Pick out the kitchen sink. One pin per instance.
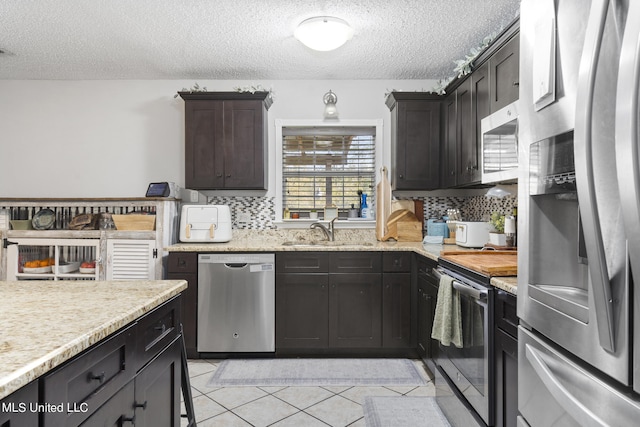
(316, 243)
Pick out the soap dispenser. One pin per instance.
(365, 206)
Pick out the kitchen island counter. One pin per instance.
(46, 323)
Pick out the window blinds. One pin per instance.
(324, 166)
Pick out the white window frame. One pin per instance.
(283, 123)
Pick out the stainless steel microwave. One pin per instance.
(499, 146)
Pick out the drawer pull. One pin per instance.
(162, 328)
(140, 405)
(131, 420)
(100, 377)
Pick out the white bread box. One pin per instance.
(205, 223)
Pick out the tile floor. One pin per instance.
(284, 406)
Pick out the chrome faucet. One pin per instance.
(327, 231)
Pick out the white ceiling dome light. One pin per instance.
(323, 33)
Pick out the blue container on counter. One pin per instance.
(437, 227)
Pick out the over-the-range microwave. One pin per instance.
(499, 146)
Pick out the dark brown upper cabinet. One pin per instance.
(449, 165)
(415, 140)
(436, 139)
(493, 84)
(459, 141)
(226, 140)
(480, 108)
(504, 72)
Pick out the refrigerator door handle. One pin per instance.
(627, 113)
(585, 175)
(579, 411)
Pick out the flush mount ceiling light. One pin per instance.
(323, 33)
(330, 110)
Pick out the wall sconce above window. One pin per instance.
(323, 33)
(330, 110)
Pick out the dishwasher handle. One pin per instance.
(236, 265)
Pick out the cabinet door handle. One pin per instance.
(7, 242)
(228, 175)
(219, 175)
(516, 83)
(99, 377)
(401, 176)
(140, 405)
(162, 328)
(131, 420)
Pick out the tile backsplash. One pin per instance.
(250, 213)
(258, 213)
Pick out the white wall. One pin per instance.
(111, 138)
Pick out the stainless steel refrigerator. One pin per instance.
(579, 206)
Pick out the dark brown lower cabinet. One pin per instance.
(151, 399)
(355, 310)
(396, 311)
(302, 311)
(337, 301)
(16, 408)
(427, 298)
(506, 360)
(157, 389)
(131, 378)
(184, 266)
(118, 411)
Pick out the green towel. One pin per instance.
(447, 321)
(472, 324)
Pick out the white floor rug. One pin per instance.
(403, 411)
(316, 372)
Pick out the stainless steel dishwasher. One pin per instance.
(236, 303)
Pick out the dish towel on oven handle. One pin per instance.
(447, 321)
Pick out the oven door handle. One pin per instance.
(469, 291)
(479, 294)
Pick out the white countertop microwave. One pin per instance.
(499, 146)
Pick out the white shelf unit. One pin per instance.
(164, 234)
(67, 254)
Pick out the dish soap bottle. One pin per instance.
(365, 207)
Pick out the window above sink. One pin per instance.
(325, 164)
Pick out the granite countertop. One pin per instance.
(271, 241)
(45, 323)
(429, 250)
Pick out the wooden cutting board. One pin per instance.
(491, 263)
(403, 226)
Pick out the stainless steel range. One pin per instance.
(464, 377)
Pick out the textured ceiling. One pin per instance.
(239, 39)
